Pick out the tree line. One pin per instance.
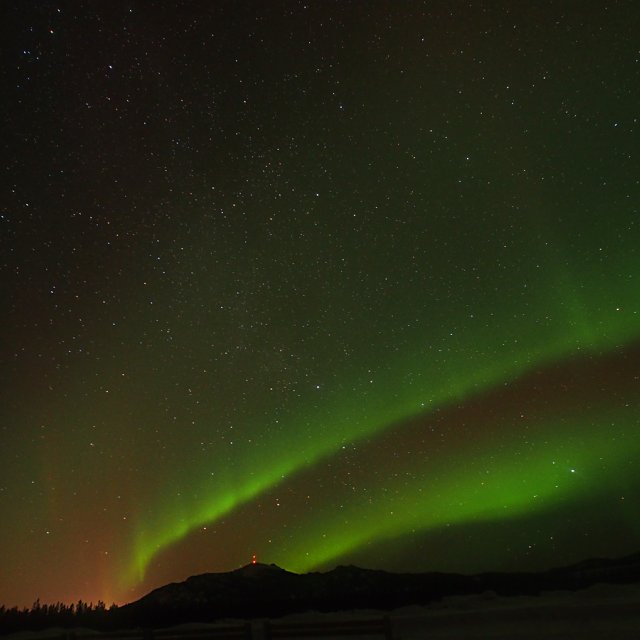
(42, 616)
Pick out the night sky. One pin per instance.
(325, 281)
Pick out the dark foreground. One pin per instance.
(440, 602)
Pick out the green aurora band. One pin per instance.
(474, 363)
(477, 487)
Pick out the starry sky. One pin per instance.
(327, 282)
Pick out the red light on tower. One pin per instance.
(253, 559)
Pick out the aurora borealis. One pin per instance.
(328, 282)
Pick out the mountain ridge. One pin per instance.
(267, 590)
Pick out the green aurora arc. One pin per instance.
(608, 322)
(468, 492)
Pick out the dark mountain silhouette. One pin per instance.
(259, 590)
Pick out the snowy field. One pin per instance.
(602, 612)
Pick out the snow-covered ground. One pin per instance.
(602, 612)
